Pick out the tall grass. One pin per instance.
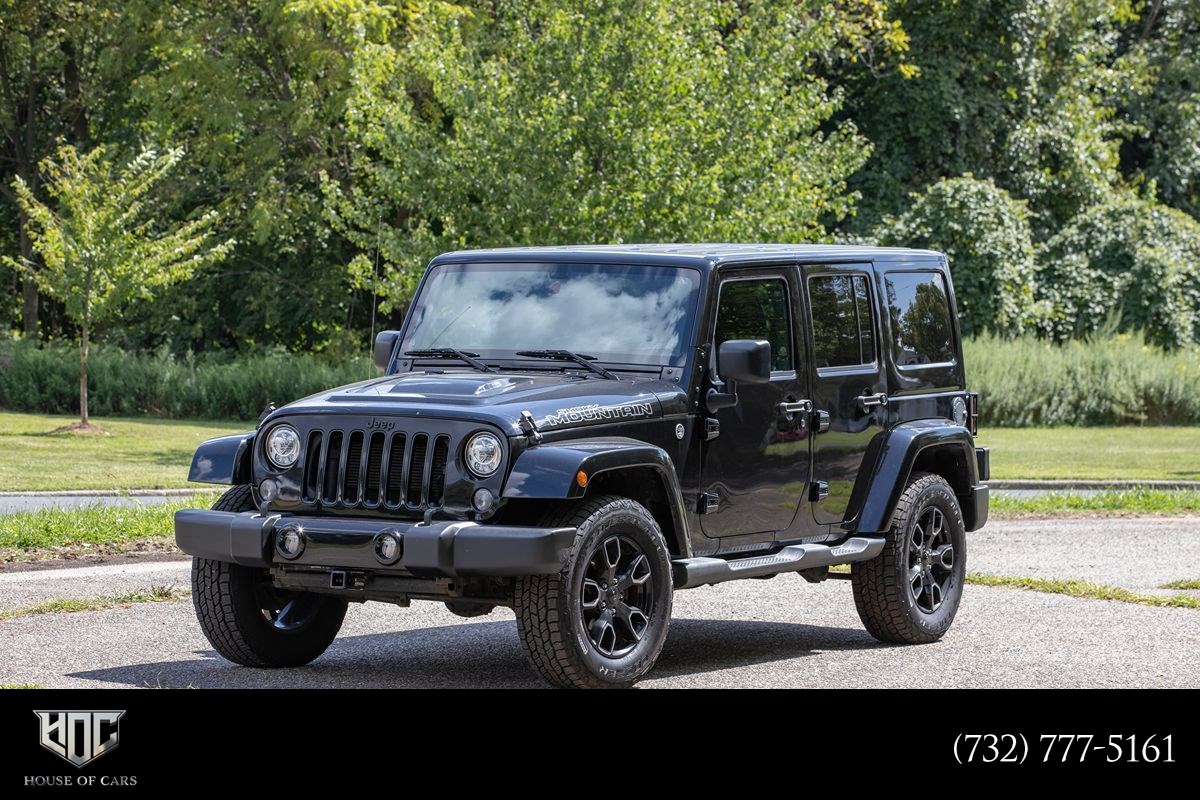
(1118, 380)
(46, 380)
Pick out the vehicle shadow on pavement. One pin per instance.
(484, 655)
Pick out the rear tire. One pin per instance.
(910, 593)
(250, 622)
(601, 622)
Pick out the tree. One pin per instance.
(985, 234)
(1129, 260)
(99, 245)
(1023, 92)
(542, 122)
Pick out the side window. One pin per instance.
(843, 326)
(920, 314)
(757, 309)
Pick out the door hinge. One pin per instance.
(712, 429)
(709, 502)
(818, 491)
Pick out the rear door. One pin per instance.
(847, 380)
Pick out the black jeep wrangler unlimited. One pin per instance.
(579, 432)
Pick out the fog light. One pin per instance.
(483, 500)
(289, 541)
(389, 546)
(268, 490)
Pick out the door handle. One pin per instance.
(790, 407)
(870, 401)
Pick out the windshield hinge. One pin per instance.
(530, 428)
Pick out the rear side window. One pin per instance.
(843, 330)
(757, 309)
(920, 313)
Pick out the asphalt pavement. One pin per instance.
(780, 632)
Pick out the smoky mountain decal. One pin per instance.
(595, 412)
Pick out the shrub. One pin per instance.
(1118, 380)
(46, 380)
(986, 236)
(1130, 260)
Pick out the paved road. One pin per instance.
(781, 632)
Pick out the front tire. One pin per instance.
(250, 622)
(602, 621)
(910, 593)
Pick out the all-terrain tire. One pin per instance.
(235, 603)
(883, 590)
(550, 616)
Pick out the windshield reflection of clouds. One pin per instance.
(619, 313)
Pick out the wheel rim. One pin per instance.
(930, 560)
(617, 596)
(286, 611)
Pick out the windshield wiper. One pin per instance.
(471, 359)
(567, 355)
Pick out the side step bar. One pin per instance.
(691, 572)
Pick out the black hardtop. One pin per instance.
(700, 256)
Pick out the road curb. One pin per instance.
(1076, 485)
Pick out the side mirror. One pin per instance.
(739, 361)
(744, 361)
(385, 343)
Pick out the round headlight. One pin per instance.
(283, 446)
(484, 454)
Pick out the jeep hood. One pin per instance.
(555, 400)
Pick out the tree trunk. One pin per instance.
(83, 375)
(29, 288)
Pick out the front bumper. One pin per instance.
(439, 549)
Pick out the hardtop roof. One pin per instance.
(694, 255)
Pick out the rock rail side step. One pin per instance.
(688, 573)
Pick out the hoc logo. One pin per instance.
(79, 736)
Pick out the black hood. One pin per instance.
(555, 400)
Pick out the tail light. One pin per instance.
(973, 413)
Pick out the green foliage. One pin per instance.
(613, 121)
(202, 387)
(1020, 91)
(1128, 259)
(1165, 108)
(986, 237)
(98, 243)
(1120, 380)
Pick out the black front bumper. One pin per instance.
(440, 549)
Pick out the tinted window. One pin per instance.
(843, 330)
(920, 314)
(757, 310)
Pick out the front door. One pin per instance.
(847, 381)
(755, 472)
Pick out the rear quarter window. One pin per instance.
(919, 307)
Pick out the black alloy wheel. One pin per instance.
(930, 560)
(617, 599)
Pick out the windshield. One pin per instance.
(615, 312)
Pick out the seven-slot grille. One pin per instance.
(374, 469)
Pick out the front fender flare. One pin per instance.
(547, 472)
(878, 490)
(224, 460)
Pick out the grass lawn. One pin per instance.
(1126, 453)
(1119, 502)
(155, 454)
(67, 533)
(139, 453)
